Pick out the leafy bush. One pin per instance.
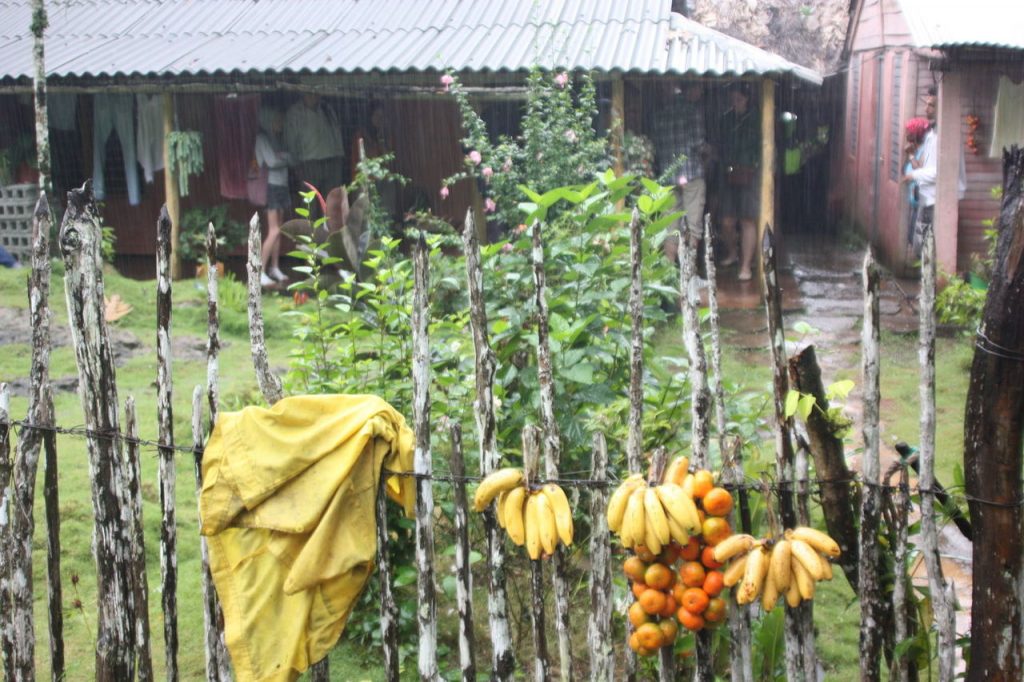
(194, 223)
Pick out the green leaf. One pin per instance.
(533, 196)
(664, 221)
(792, 400)
(581, 373)
(804, 328)
(839, 390)
(645, 204)
(805, 406)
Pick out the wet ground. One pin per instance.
(822, 285)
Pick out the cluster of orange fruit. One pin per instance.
(683, 583)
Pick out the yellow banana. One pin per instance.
(826, 568)
(515, 502)
(687, 485)
(495, 483)
(619, 499)
(677, 531)
(546, 519)
(732, 546)
(679, 505)
(499, 508)
(734, 571)
(563, 512)
(804, 581)
(532, 522)
(655, 517)
(805, 555)
(651, 541)
(779, 567)
(633, 522)
(816, 539)
(793, 598)
(676, 470)
(753, 576)
(769, 593)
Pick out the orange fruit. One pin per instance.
(638, 588)
(714, 583)
(695, 600)
(717, 502)
(715, 529)
(634, 568)
(690, 621)
(671, 606)
(677, 591)
(644, 554)
(653, 601)
(703, 482)
(691, 551)
(650, 636)
(669, 629)
(670, 554)
(716, 610)
(692, 574)
(637, 615)
(634, 644)
(707, 557)
(659, 576)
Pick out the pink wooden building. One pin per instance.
(972, 53)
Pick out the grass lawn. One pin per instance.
(350, 661)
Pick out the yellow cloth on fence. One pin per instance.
(288, 503)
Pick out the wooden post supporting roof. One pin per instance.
(947, 202)
(171, 198)
(618, 118)
(767, 214)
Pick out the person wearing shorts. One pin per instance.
(270, 153)
(740, 147)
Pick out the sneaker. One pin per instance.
(277, 275)
(265, 281)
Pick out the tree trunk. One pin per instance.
(992, 449)
(599, 627)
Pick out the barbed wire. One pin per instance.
(751, 484)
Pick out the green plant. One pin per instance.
(960, 304)
(109, 245)
(184, 156)
(194, 224)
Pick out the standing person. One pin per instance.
(312, 135)
(740, 148)
(679, 134)
(916, 129)
(270, 152)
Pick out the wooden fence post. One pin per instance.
(897, 511)
(941, 591)
(388, 606)
(635, 436)
(463, 572)
(426, 602)
(269, 383)
(741, 667)
(80, 238)
(993, 428)
(869, 588)
(141, 582)
(801, 661)
(599, 627)
(531, 474)
(6, 537)
(552, 440)
(502, 657)
(165, 436)
(217, 662)
(212, 326)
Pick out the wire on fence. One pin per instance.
(752, 484)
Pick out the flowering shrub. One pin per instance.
(558, 146)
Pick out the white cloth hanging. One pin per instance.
(150, 135)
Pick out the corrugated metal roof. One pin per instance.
(95, 38)
(978, 23)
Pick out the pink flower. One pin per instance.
(475, 157)
(507, 166)
(506, 248)
(571, 136)
(487, 172)
(682, 181)
(490, 206)
(446, 81)
(444, 192)
(562, 79)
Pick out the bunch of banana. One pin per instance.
(787, 567)
(652, 517)
(536, 519)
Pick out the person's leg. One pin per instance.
(729, 239)
(693, 204)
(748, 245)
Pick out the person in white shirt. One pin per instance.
(270, 152)
(312, 135)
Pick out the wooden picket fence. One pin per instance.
(122, 643)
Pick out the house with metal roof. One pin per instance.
(971, 56)
(194, 61)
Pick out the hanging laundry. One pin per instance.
(67, 163)
(288, 506)
(1008, 122)
(237, 121)
(112, 114)
(150, 134)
